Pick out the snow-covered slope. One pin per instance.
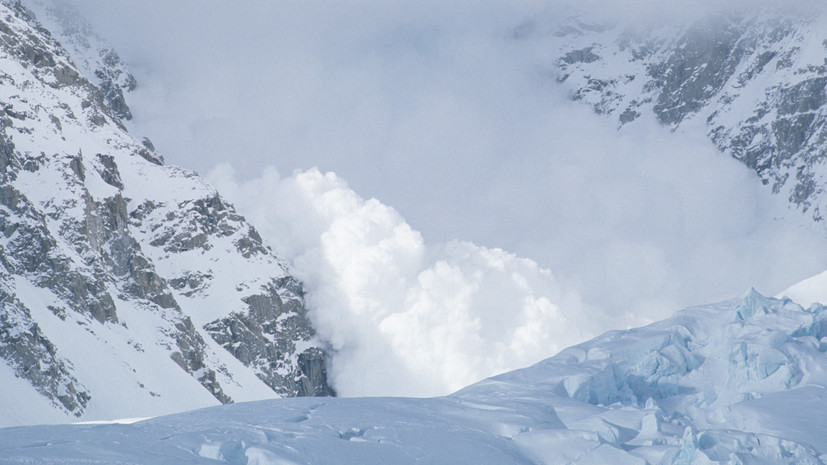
(739, 382)
(90, 53)
(755, 83)
(126, 287)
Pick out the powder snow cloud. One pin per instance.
(403, 316)
(408, 317)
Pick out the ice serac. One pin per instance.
(127, 287)
(736, 382)
(755, 83)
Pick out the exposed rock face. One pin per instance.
(257, 338)
(110, 260)
(33, 357)
(757, 85)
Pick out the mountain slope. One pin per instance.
(127, 286)
(739, 382)
(755, 84)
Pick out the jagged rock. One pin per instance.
(113, 82)
(108, 170)
(313, 365)
(257, 339)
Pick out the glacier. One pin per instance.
(737, 382)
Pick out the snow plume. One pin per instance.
(635, 227)
(405, 317)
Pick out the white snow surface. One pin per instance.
(738, 382)
(809, 291)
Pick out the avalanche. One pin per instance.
(738, 382)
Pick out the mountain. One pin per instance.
(127, 287)
(754, 83)
(130, 288)
(738, 382)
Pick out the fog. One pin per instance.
(455, 153)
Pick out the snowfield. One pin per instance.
(738, 382)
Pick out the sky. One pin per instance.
(452, 212)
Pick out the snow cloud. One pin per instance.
(635, 231)
(436, 110)
(402, 316)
